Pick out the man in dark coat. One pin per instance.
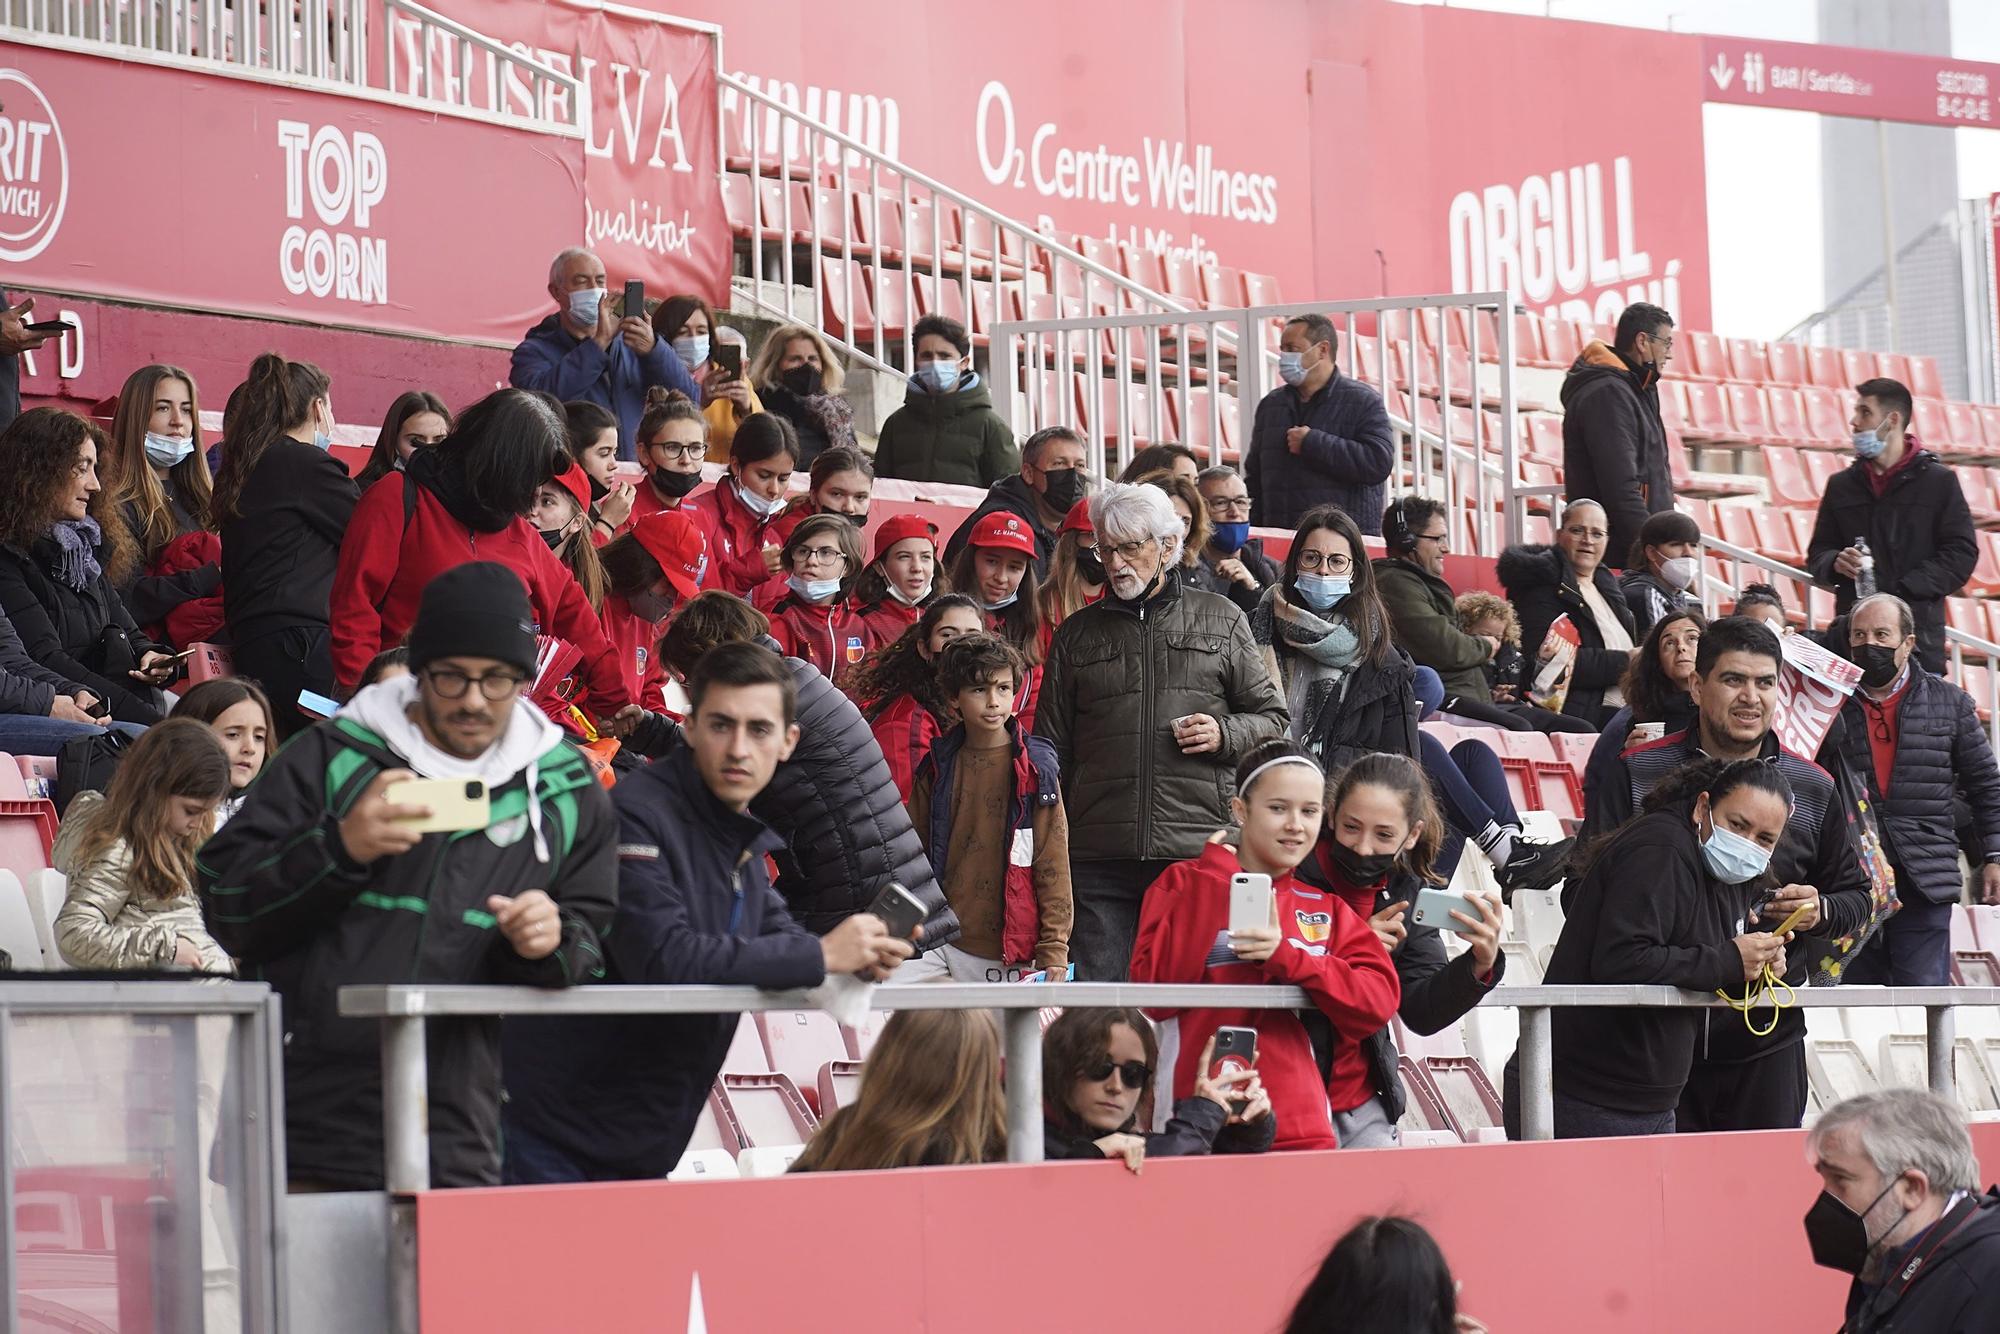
(1232, 562)
(1048, 486)
(1916, 742)
(1614, 444)
(1909, 508)
(1901, 1211)
(1320, 438)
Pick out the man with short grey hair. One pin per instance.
(1902, 1212)
(595, 351)
(1150, 697)
(1232, 562)
(1319, 438)
(1916, 745)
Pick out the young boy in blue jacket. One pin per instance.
(613, 1098)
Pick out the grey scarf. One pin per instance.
(76, 551)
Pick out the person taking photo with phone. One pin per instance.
(615, 1098)
(1197, 925)
(1378, 854)
(332, 875)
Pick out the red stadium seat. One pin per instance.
(1826, 416)
(1989, 426)
(1545, 437)
(1749, 361)
(1703, 356)
(768, 1110)
(1961, 426)
(1788, 413)
(1924, 381)
(1673, 404)
(1736, 526)
(1193, 424)
(845, 311)
(1137, 412)
(1787, 363)
(1825, 367)
(1559, 343)
(798, 1043)
(1574, 748)
(1985, 581)
(1857, 365)
(1896, 366)
(1821, 465)
(1468, 1096)
(1261, 289)
(1977, 484)
(1225, 286)
(1930, 424)
(1708, 415)
(1789, 483)
(1774, 534)
(747, 1054)
(1529, 347)
(839, 1084)
(831, 212)
(1184, 279)
(774, 197)
(1751, 412)
(739, 203)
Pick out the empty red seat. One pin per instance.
(1748, 360)
(1786, 363)
(1789, 483)
(1751, 413)
(786, 209)
(931, 230)
(1261, 289)
(768, 1110)
(1183, 278)
(1985, 579)
(1560, 343)
(739, 203)
(831, 211)
(1138, 410)
(1701, 356)
(1825, 367)
(1929, 423)
(1788, 413)
(1545, 437)
(1143, 267)
(1774, 534)
(845, 311)
(1924, 381)
(1529, 346)
(1194, 426)
(1977, 484)
(1961, 425)
(1857, 365)
(1826, 415)
(1673, 405)
(798, 1043)
(1989, 425)
(1896, 366)
(1737, 527)
(1708, 414)
(1821, 465)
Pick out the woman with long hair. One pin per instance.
(561, 514)
(282, 507)
(462, 501)
(798, 377)
(996, 569)
(649, 570)
(239, 713)
(897, 686)
(1385, 1276)
(813, 619)
(1165, 457)
(840, 481)
(417, 420)
(1098, 1068)
(1185, 497)
(1076, 577)
(1658, 689)
(59, 599)
(930, 1097)
(127, 856)
(154, 506)
(591, 436)
(671, 442)
(902, 580)
(686, 323)
(737, 514)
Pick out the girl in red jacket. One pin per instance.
(839, 483)
(649, 571)
(672, 441)
(902, 579)
(463, 501)
(897, 689)
(1075, 579)
(561, 514)
(592, 442)
(1314, 943)
(812, 620)
(736, 516)
(996, 569)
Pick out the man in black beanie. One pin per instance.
(320, 881)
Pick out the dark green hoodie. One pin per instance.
(955, 437)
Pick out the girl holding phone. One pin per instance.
(1312, 942)
(1377, 853)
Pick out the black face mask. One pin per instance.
(598, 490)
(553, 536)
(1839, 1236)
(1091, 568)
(858, 520)
(1064, 489)
(1877, 663)
(674, 485)
(1357, 869)
(802, 381)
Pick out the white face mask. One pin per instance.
(1680, 571)
(756, 504)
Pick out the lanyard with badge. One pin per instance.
(1770, 988)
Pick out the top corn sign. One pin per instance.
(1846, 81)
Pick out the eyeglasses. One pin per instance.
(1439, 538)
(1667, 342)
(1237, 505)
(1125, 551)
(1132, 1074)
(449, 684)
(1312, 562)
(819, 555)
(1593, 534)
(684, 453)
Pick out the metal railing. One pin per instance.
(141, 1125)
(972, 273)
(1438, 404)
(1957, 642)
(444, 64)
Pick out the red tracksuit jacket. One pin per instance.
(904, 730)
(384, 565)
(645, 500)
(830, 637)
(1327, 950)
(736, 539)
(887, 620)
(636, 641)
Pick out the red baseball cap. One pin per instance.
(671, 538)
(901, 528)
(1003, 531)
(1078, 518)
(576, 481)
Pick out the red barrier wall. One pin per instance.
(1653, 1236)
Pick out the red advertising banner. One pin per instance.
(258, 199)
(650, 173)
(1848, 81)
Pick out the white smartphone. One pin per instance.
(455, 804)
(1434, 908)
(1249, 901)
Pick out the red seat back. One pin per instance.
(1787, 363)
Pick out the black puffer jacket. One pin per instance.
(1919, 531)
(1377, 711)
(87, 637)
(1542, 586)
(1009, 495)
(1941, 748)
(1116, 678)
(1614, 445)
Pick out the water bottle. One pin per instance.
(1864, 580)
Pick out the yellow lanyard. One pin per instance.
(1764, 991)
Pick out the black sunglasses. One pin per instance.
(1133, 1074)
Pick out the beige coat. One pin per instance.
(104, 925)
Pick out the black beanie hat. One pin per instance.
(475, 610)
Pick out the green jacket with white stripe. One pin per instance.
(281, 894)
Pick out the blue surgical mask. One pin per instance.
(583, 303)
(1323, 592)
(1003, 603)
(1292, 367)
(691, 350)
(321, 440)
(939, 377)
(1869, 444)
(1230, 537)
(1732, 858)
(164, 451)
(814, 590)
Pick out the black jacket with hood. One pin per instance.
(1614, 444)
(1542, 586)
(280, 893)
(86, 636)
(1011, 495)
(955, 437)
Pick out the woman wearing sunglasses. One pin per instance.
(1097, 1071)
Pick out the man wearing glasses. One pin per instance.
(1614, 445)
(1233, 563)
(324, 879)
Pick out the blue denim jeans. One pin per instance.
(26, 734)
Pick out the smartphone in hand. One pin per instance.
(901, 911)
(1249, 902)
(635, 299)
